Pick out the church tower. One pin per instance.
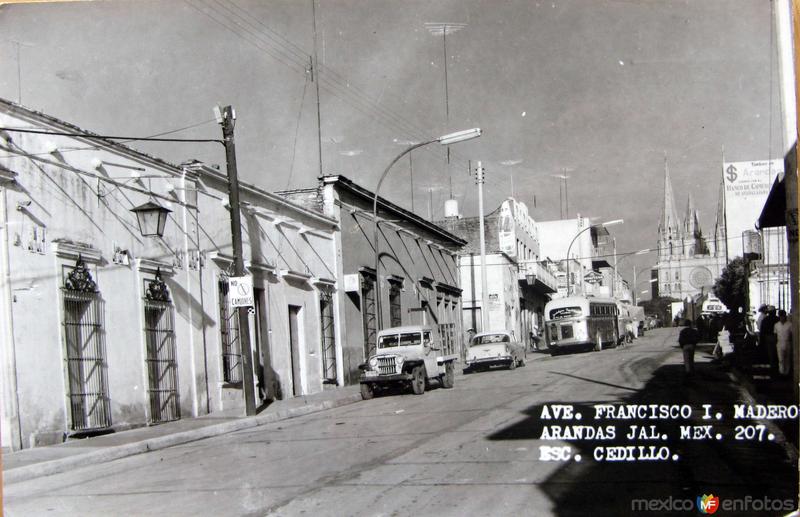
(693, 241)
(670, 238)
(720, 244)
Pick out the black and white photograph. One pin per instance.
(399, 257)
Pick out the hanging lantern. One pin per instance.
(152, 218)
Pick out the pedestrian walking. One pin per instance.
(629, 331)
(783, 337)
(768, 338)
(687, 340)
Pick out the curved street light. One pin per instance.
(450, 138)
(607, 223)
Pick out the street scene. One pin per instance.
(470, 450)
(452, 257)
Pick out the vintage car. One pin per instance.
(412, 355)
(497, 348)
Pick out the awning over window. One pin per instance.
(774, 212)
(600, 263)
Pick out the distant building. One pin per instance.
(519, 282)
(418, 278)
(587, 263)
(688, 262)
(104, 329)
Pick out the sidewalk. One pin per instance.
(42, 461)
(754, 375)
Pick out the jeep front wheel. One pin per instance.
(418, 380)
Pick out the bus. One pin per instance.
(578, 322)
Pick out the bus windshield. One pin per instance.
(561, 313)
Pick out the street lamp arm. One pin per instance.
(376, 234)
(386, 173)
(569, 283)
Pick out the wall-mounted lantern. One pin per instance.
(152, 218)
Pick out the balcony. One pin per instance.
(537, 276)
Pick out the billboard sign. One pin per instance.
(747, 185)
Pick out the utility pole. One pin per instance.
(411, 172)
(227, 118)
(479, 180)
(633, 292)
(614, 287)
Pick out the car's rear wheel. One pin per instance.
(449, 375)
(418, 380)
(367, 391)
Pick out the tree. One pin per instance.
(731, 286)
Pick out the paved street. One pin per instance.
(472, 450)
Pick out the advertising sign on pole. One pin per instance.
(241, 291)
(747, 185)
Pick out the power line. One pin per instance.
(94, 147)
(109, 137)
(330, 80)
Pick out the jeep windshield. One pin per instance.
(404, 339)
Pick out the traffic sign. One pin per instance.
(241, 291)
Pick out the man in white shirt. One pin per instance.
(783, 332)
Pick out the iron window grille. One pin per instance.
(395, 308)
(84, 337)
(161, 360)
(229, 337)
(368, 315)
(328, 335)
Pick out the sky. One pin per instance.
(599, 90)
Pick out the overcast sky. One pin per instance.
(600, 88)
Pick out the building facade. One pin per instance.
(688, 262)
(418, 280)
(519, 282)
(105, 329)
(574, 244)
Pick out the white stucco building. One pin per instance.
(104, 329)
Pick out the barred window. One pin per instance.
(395, 309)
(229, 337)
(368, 314)
(161, 358)
(328, 334)
(84, 336)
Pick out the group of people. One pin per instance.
(772, 333)
(775, 338)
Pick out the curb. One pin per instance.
(47, 468)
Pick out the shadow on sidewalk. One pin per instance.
(726, 468)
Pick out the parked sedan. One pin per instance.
(498, 348)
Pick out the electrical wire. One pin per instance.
(94, 147)
(333, 82)
(109, 137)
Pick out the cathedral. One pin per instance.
(688, 262)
